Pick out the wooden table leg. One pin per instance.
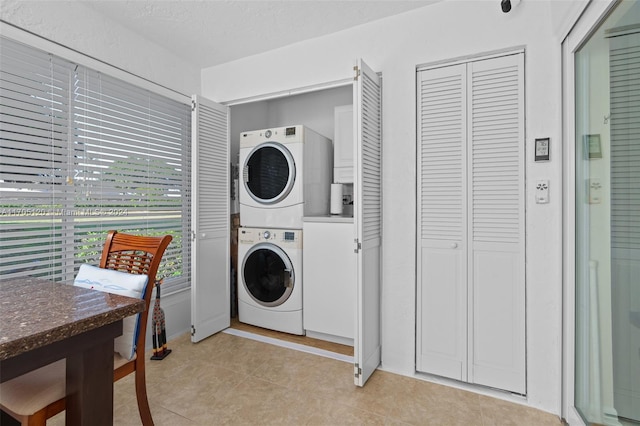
(7, 420)
(90, 386)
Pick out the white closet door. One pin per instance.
(210, 221)
(471, 289)
(367, 219)
(442, 290)
(496, 210)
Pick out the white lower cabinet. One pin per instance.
(329, 279)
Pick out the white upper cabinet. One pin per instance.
(343, 144)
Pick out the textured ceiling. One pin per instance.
(211, 32)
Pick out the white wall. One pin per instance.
(74, 25)
(395, 46)
(289, 110)
(245, 117)
(314, 110)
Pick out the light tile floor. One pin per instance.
(231, 380)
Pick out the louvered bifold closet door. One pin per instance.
(470, 251)
(368, 219)
(442, 219)
(496, 232)
(210, 293)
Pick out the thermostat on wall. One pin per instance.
(542, 149)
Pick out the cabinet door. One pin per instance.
(210, 221)
(329, 270)
(343, 144)
(367, 219)
(442, 213)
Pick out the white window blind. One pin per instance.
(82, 153)
(624, 68)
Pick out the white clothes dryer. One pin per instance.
(270, 279)
(286, 175)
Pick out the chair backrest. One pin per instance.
(136, 254)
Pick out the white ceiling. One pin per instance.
(211, 32)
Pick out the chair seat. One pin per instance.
(28, 393)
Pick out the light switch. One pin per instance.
(542, 192)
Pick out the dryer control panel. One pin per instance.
(288, 134)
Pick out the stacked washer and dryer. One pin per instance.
(286, 175)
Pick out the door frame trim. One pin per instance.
(590, 19)
(471, 58)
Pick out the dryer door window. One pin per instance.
(269, 173)
(267, 274)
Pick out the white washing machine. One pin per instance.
(270, 278)
(286, 175)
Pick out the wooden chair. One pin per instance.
(36, 396)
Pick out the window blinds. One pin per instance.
(624, 68)
(82, 153)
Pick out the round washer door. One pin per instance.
(269, 173)
(267, 274)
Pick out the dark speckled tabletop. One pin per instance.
(36, 312)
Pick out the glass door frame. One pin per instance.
(592, 16)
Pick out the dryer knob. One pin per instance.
(266, 235)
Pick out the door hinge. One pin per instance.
(356, 72)
(193, 330)
(358, 246)
(193, 105)
(193, 235)
(357, 371)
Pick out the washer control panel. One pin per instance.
(284, 237)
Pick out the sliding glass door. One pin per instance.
(607, 293)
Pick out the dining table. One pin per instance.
(42, 321)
